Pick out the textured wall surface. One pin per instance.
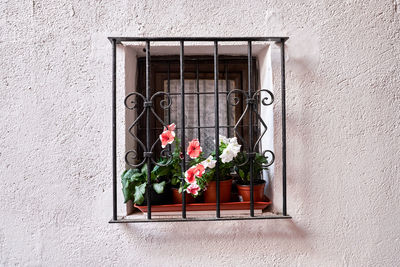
(343, 74)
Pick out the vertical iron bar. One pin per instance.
(242, 108)
(148, 186)
(283, 93)
(198, 100)
(228, 114)
(169, 90)
(182, 72)
(257, 129)
(114, 126)
(250, 128)
(216, 113)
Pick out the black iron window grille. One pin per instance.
(244, 124)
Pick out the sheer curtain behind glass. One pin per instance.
(206, 107)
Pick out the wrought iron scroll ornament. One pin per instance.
(251, 101)
(131, 103)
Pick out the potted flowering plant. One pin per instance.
(175, 174)
(173, 168)
(134, 186)
(134, 180)
(193, 182)
(228, 150)
(243, 179)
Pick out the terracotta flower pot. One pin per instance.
(258, 193)
(210, 195)
(177, 197)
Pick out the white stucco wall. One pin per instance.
(343, 64)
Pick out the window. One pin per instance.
(199, 97)
(222, 96)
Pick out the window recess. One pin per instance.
(206, 96)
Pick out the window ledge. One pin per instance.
(140, 218)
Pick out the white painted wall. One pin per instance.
(343, 135)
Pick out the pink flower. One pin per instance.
(193, 189)
(167, 137)
(171, 127)
(199, 170)
(190, 175)
(194, 149)
(193, 172)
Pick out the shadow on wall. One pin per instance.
(225, 243)
(302, 67)
(302, 61)
(212, 231)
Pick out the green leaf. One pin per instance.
(155, 169)
(144, 169)
(163, 172)
(127, 184)
(174, 180)
(127, 194)
(139, 193)
(125, 177)
(158, 167)
(159, 187)
(241, 174)
(136, 177)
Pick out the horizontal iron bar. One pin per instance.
(200, 93)
(199, 127)
(270, 217)
(204, 59)
(197, 39)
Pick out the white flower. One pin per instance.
(234, 141)
(223, 139)
(209, 162)
(226, 156)
(230, 152)
(235, 148)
